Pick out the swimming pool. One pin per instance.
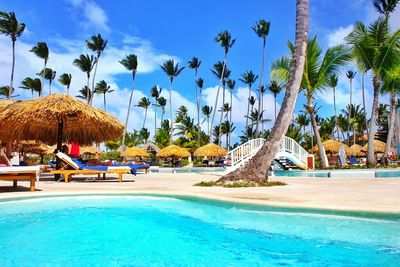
(358, 173)
(134, 230)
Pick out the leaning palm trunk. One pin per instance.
(349, 118)
(94, 77)
(259, 87)
(216, 98)
(88, 90)
(371, 161)
(12, 71)
(44, 68)
(129, 110)
(391, 127)
(145, 117)
(220, 118)
(155, 118)
(363, 96)
(170, 113)
(230, 123)
(256, 169)
(247, 114)
(336, 120)
(198, 97)
(105, 102)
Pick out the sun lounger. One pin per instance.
(74, 168)
(22, 173)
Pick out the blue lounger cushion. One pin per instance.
(134, 167)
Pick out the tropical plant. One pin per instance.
(49, 75)
(227, 128)
(10, 26)
(333, 81)
(302, 120)
(102, 88)
(97, 44)
(231, 86)
(65, 79)
(85, 64)
(350, 75)
(42, 51)
(172, 70)
(35, 85)
(194, 64)
(85, 93)
(207, 111)
(375, 49)
(155, 92)
(275, 88)
(261, 28)
(162, 102)
(6, 92)
(130, 62)
(248, 78)
(385, 7)
(145, 103)
(144, 135)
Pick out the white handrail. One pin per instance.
(247, 150)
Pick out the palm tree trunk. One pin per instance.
(94, 77)
(129, 109)
(12, 71)
(334, 108)
(220, 118)
(198, 108)
(145, 117)
(216, 97)
(41, 91)
(230, 122)
(170, 113)
(155, 117)
(208, 124)
(259, 87)
(247, 114)
(275, 105)
(371, 161)
(256, 169)
(50, 87)
(88, 89)
(321, 151)
(350, 109)
(105, 103)
(68, 90)
(363, 96)
(391, 128)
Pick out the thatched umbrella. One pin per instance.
(134, 152)
(4, 103)
(210, 150)
(55, 119)
(173, 151)
(379, 146)
(91, 150)
(331, 146)
(355, 151)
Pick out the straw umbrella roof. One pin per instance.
(355, 151)
(45, 118)
(149, 146)
(135, 152)
(331, 146)
(89, 150)
(173, 151)
(4, 103)
(210, 150)
(379, 146)
(38, 149)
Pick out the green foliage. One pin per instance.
(112, 155)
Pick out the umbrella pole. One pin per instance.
(59, 145)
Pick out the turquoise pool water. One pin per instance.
(163, 231)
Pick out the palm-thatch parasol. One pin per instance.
(379, 146)
(4, 103)
(331, 146)
(355, 151)
(210, 150)
(173, 151)
(134, 152)
(91, 150)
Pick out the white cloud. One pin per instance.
(337, 36)
(90, 14)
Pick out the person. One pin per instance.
(4, 160)
(75, 150)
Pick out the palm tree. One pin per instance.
(261, 28)
(35, 85)
(350, 75)
(302, 121)
(172, 70)
(248, 78)
(103, 88)
(42, 51)
(130, 63)
(333, 81)
(199, 83)
(6, 92)
(225, 40)
(375, 49)
(85, 93)
(10, 26)
(155, 92)
(85, 63)
(162, 102)
(49, 75)
(97, 45)
(231, 86)
(275, 88)
(207, 111)
(145, 103)
(194, 64)
(65, 79)
(385, 7)
(256, 169)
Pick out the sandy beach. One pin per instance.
(377, 195)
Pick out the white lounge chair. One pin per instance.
(22, 173)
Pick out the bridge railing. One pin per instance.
(291, 146)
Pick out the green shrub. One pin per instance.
(112, 155)
(185, 162)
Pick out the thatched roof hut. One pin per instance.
(331, 146)
(210, 150)
(90, 150)
(379, 147)
(134, 152)
(174, 152)
(355, 151)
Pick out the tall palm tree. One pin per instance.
(145, 103)
(261, 28)
(200, 84)
(35, 85)
(275, 88)
(65, 79)
(162, 102)
(248, 78)
(49, 75)
(207, 111)
(97, 44)
(333, 81)
(350, 75)
(256, 169)
(385, 7)
(194, 64)
(85, 63)
(231, 86)
(10, 26)
(172, 70)
(42, 51)
(103, 88)
(225, 40)
(130, 62)
(85, 93)
(376, 49)
(5, 91)
(155, 92)
(302, 121)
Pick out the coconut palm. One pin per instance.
(248, 78)
(385, 7)
(333, 81)
(172, 70)
(42, 51)
(85, 63)
(275, 88)
(207, 111)
(256, 169)
(10, 26)
(231, 86)
(261, 28)
(375, 49)
(145, 103)
(224, 39)
(302, 121)
(103, 88)
(200, 84)
(85, 93)
(155, 92)
(35, 85)
(194, 64)
(350, 75)
(130, 62)
(97, 44)
(162, 102)
(65, 79)
(5, 91)
(49, 75)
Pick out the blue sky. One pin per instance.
(159, 30)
